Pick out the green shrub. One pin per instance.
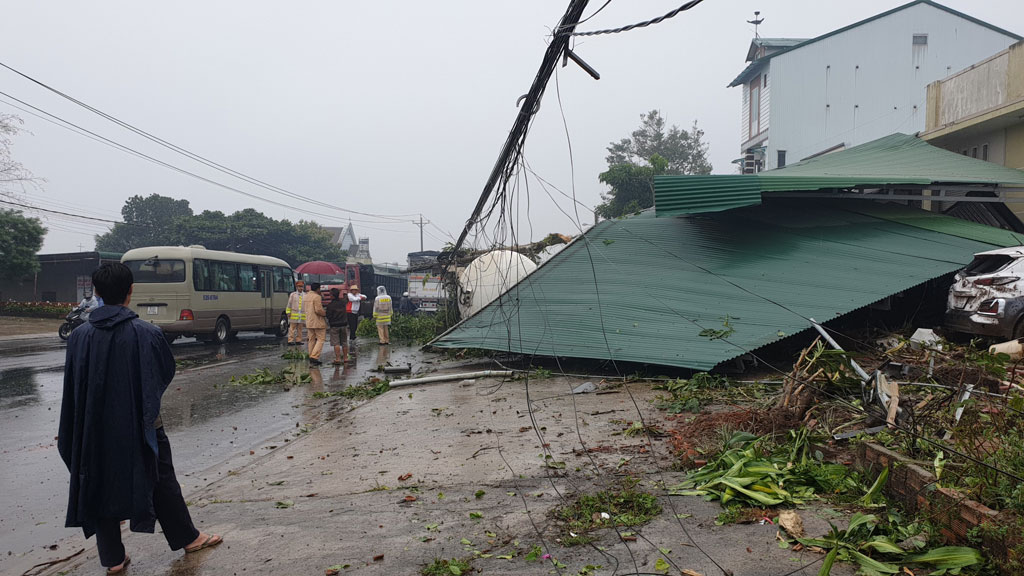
(416, 329)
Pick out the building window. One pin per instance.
(782, 159)
(974, 152)
(765, 79)
(755, 108)
(984, 152)
(920, 40)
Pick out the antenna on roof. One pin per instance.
(756, 21)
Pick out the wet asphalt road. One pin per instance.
(213, 425)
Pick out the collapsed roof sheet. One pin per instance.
(890, 161)
(643, 289)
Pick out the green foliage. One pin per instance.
(689, 395)
(371, 388)
(722, 333)
(159, 220)
(442, 567)
(632, 188)
(752, 473)
(730, 515)
(293, 354)
(266, 376)
(534, 554)
(590, 512)
(650, 150)
(415, 329)
(864, 537)
(996, 438)
(36, 309)
(683, 151)
(21, 238)
(148, 221)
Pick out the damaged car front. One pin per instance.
(987, 297)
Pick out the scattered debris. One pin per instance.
(792, 523)
(585, 388)
(591, 512)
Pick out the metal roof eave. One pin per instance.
(767, 269)
(889, 162)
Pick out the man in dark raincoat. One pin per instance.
(111, 437)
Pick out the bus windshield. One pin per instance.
(156, 271)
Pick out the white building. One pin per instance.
(344, 236)
(802, 98)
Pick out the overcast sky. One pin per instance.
(391, 108)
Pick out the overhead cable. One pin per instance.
(643, 24)
(197, 157)
(57, 120)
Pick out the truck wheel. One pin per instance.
(221, 331)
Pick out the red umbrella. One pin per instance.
(319, 267)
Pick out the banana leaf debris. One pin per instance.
(779, 445)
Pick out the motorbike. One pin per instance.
(71, 321)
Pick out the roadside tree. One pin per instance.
(159, 220)
(21, 238)
(148, 221)
(649, 151)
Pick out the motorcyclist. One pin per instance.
(88, 304)
(406, 305)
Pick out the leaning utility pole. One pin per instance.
(558, 48)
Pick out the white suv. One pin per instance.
(987, 297)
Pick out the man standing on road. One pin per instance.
(337, 321)
(111, 437)
(296, 320)
(316, 322)
(354, 299)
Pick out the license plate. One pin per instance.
(959, 303)
(153, 310)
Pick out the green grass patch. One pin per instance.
(442, 567)
(591, 512)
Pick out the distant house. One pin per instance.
(802, 98)
(979, 112)
(344, 236)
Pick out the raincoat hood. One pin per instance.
(107, 317)
(382, 291)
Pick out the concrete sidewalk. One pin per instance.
(335, 496)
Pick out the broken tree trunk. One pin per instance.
(531, 250)
(800, 388)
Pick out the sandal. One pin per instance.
(120, 567)
(211, 541)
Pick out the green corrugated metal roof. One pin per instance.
(893, 160)
(660, 281)
(746, 74)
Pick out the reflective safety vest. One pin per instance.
(382, 309)
(295, 314)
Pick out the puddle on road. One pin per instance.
(18, 388)
(212, 423)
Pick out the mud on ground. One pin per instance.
(470, 469)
